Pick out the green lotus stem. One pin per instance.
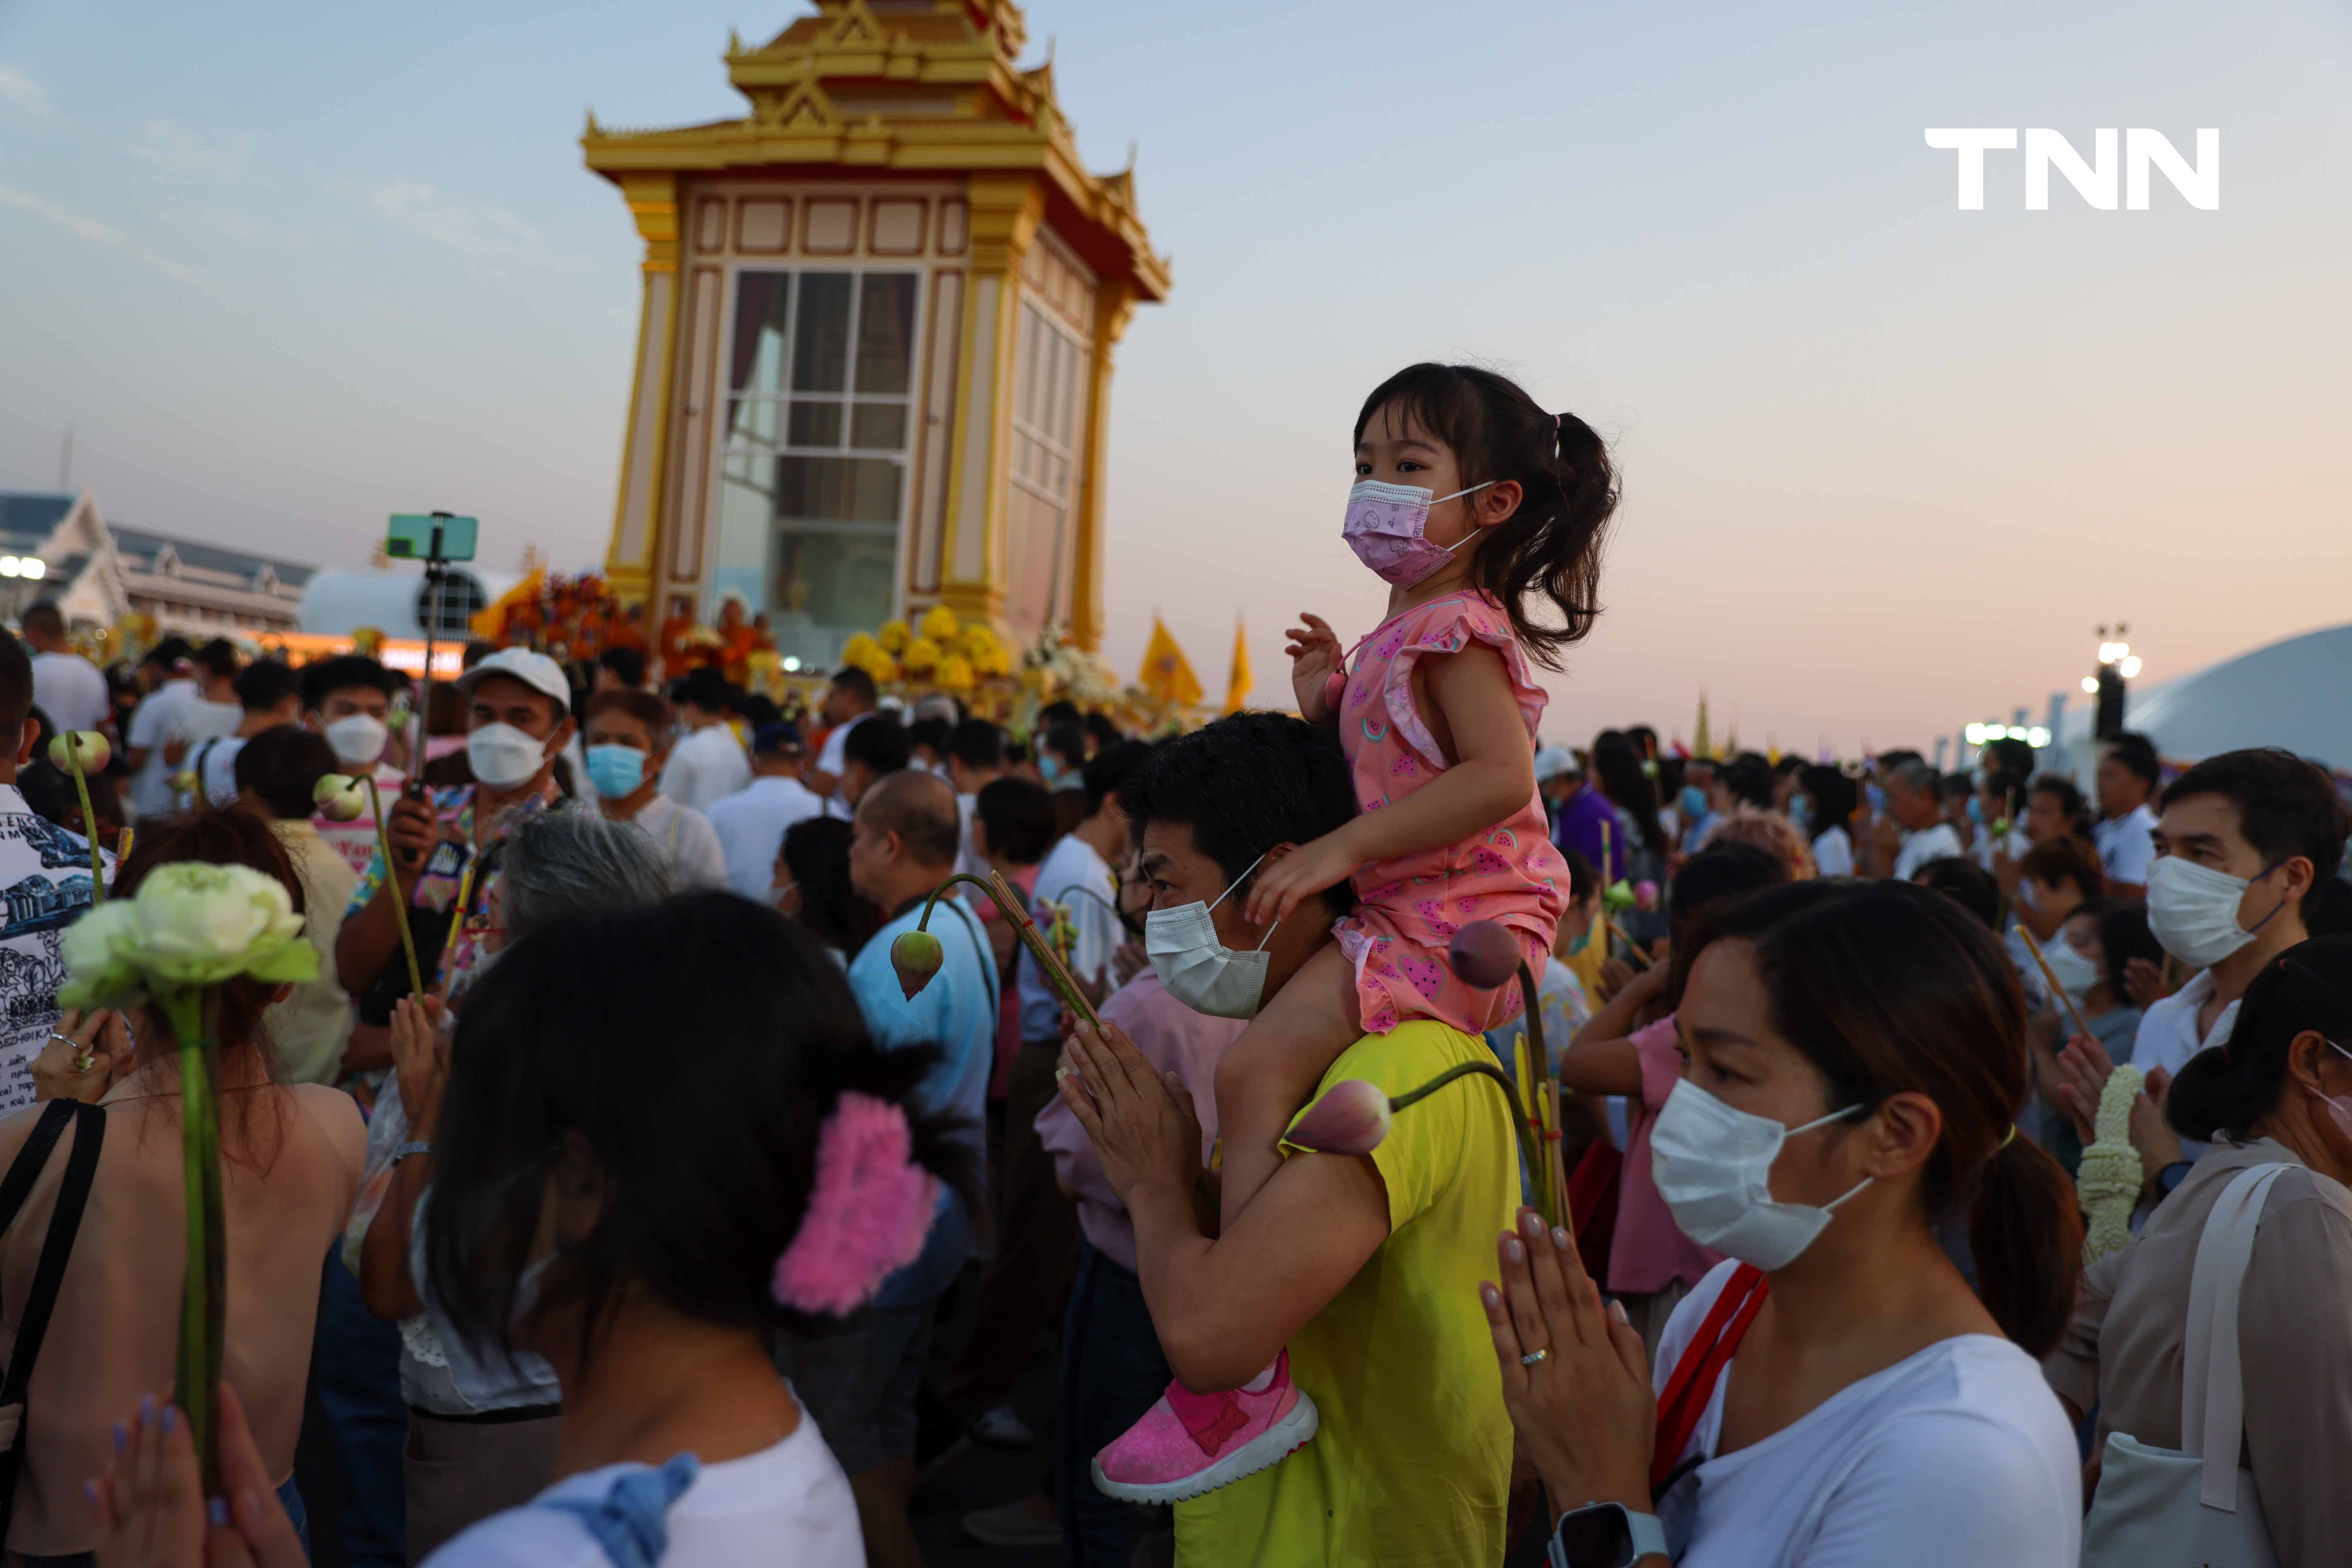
(384, 847)
(1064, 982)
(1545, 1177)
(1518, 1117)
(89, 822)
(203, 1290)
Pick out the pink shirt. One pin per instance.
(1650, 1251)
(1175, 1039)
(1408, 907)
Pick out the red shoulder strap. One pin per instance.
(1687, 1392)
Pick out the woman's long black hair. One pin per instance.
(692, 1050)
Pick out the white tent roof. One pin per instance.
(2296, 693)
(337, 604)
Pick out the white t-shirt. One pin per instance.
(2126, 847)
(788, 1504)
(829, 757)
(176, 710)
(688, 842)
(1834, 853)
(71, 690)
(1941, 842)
(1957, 1457)
(706, 768)
(1071, 864)
(218, 770)
(752, 825)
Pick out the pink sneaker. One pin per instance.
(1191, 1443)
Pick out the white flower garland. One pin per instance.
(2110, 1176)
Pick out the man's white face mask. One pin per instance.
(1200, 971)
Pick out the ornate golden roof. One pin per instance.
(909, 86)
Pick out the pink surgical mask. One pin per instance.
(1384, 529)
(2338, 1106)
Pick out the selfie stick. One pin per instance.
(435, 574)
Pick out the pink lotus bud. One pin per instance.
(1485, 954)
(916, 956)
(1352, 1117)
(85, 746)
(339, 798)
(1645, 895)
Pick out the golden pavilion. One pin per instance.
(874, 350)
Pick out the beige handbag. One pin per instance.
(2157, 1508)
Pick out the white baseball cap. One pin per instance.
(1553, 761)
(536, 670)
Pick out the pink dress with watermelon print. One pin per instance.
(1409, 907)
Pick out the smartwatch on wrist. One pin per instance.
(1605, 1535)
(2170, 1177)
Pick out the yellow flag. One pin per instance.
(1166, 675)
(1237, 685)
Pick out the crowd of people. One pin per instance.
(662, 1214)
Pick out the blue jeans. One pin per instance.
(1112, 1371)
(358, 1369)
(290, 1496)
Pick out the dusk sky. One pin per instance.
(287, 267)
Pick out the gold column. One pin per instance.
(973, 559)
(629, 565)
(1114, 308)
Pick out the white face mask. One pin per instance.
(2076, 972)
(2194, 911)
(358, 739)
(1713, 1164)
(503, 756)
(1200, 971)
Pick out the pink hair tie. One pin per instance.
(868, 1216)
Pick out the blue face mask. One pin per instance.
(1693, 802)
(1800, 811)
(615, 770)
(1975, 809)
(1049, 768)
(1877, 796)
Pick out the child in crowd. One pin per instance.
(647, 1236)
(1483, 513)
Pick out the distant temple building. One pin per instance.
(875, 342)
(99, 573)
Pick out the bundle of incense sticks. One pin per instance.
(1540, 1094)
(2056, 990)
(1058, 974)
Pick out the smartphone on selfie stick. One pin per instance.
(435, 538)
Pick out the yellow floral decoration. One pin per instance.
(894, 636)
(921, 656)
(939, 623)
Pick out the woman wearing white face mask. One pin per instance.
(2279, 1095)
(1834, 1393)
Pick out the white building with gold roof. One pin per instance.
(873, 354)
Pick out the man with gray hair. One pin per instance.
(1914, 799)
